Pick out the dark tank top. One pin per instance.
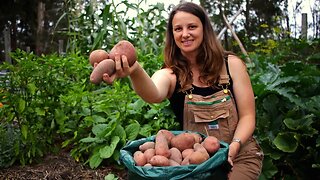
(177, 98)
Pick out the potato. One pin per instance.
(159, 160)
(175, 155)
(149, 153)
(147, 145)
(168, 134)
(161, 145)
(197, 157)
(183, 141)
(148, 165)
(197, 137)
(185, 161)
(186, 152)
(173, 163)
(200, 148)
(105, 66)
(211, 144)
(97, 56)
(139, 158)
(124, 47)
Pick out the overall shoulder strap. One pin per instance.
(225, 75)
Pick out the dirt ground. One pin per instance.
(59, 167)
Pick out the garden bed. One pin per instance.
(60, 166)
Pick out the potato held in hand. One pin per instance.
(97, 56)
(124, 47)
(105, 66)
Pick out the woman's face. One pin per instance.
(187, 32)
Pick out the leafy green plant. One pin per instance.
(9, 145)
(103, 24)
(117, 116)
(32, 89)
(287, 115)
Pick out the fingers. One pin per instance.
(122, 66)
(108, 79)
(122, 69)
(230, 160)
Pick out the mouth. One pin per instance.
(187, 42)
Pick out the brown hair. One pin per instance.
(211, 52)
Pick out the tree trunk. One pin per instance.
(40, 21)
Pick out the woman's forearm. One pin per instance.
(144, 86)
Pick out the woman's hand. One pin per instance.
(122, 69)
(234, 149)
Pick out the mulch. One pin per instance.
(61, 166)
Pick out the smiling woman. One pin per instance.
(197, 69)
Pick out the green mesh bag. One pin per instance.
(216, 167)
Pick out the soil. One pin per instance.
(61, 166)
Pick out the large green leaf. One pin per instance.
(304, 124)
(286, 142)
(95, 160)
(107, 151)
(132, 131)
(104, 130)
(268, 169)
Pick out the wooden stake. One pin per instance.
(237, 39)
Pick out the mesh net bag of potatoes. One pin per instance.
(176, 155)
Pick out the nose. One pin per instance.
(186, 34)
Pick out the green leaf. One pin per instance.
(132, 131)
(21, 105)
(318, 141)
(89, 139)
(104, 130)
(146, 130)
(60, 116)
(286, 142)
(32, 88)
(107, 151)
(120, 132)
(268, 169)
(95, 160)
(40, 112)
(110, 177)
(24, 131)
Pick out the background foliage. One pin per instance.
(48, 103)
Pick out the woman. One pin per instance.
(197, 70)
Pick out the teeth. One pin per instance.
(187, 42)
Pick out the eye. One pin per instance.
(192, 27)
(177, 29)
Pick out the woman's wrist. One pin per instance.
(134, 69)
(236, 145)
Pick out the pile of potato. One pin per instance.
(176, 150)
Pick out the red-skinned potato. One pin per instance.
(183, 141)
(147, 145)
(197, 157)
(97, 56)
(186, 152)
(124, 47)
(149, 153)
(159, 160)
(175, 155)
(161, 145)
(211, 144)
(139, 158)
(105, 66)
